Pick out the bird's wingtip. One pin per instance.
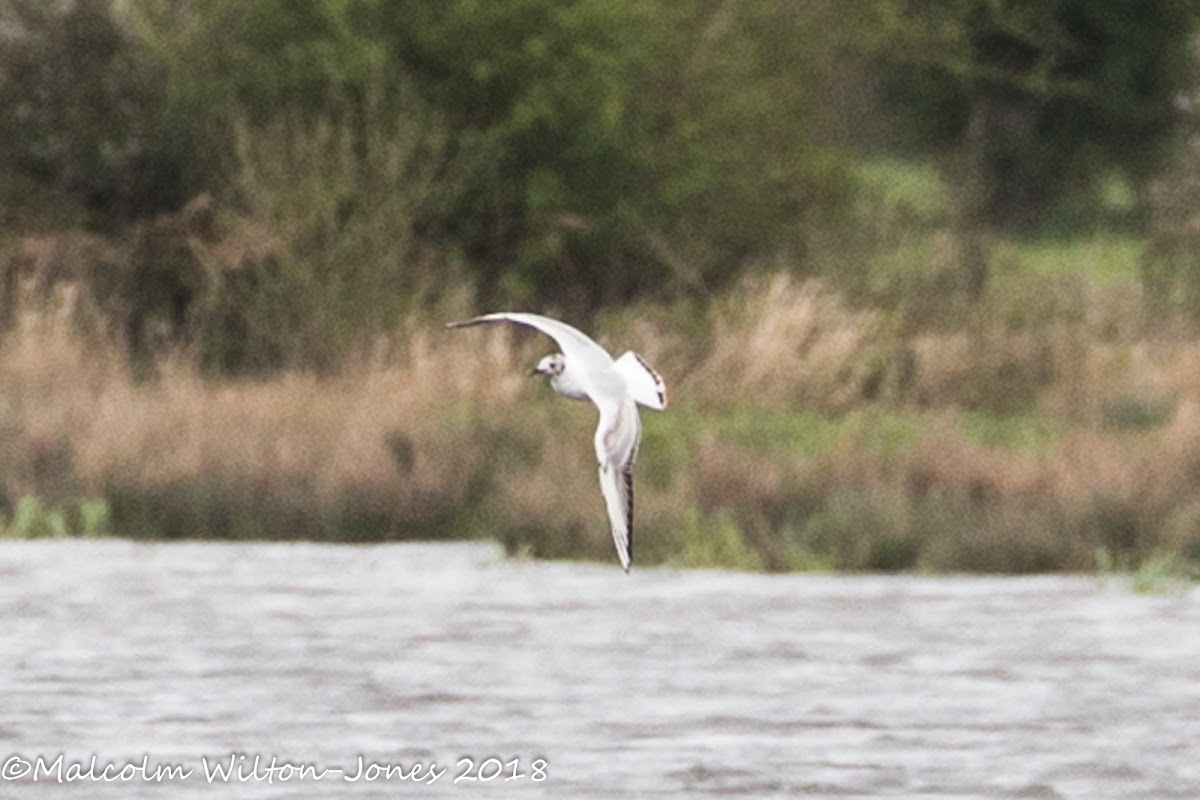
(480, 320)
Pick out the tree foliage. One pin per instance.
(353, 157)
(625, 145)
(595, 149)
(1044, 95)
(81, 110)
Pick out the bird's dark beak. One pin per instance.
(534, 371)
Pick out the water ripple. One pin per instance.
(663, 683)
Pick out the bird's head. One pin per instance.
(551, 366)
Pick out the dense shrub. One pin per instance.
(1037, 99)
(623, 148)
(84, 113)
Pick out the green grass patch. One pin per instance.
(715, 540)
(1012, 431)
(1157, 573)
(905, 191)
(35, 519)
(671, 441)
(1106, 259)
(798, 432)
(883, 433)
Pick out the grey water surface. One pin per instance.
(364, 671)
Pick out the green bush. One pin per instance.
(593, 149)
(34, 519)
(714, 540)
(84, 113)
(1037, 98)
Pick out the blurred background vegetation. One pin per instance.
(924, 277)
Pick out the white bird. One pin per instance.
(585, 371)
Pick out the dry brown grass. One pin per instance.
(424, 437)
(377, 441)
(781, 343)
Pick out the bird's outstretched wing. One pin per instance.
(646, 385)
(617, 440)
(575, 345)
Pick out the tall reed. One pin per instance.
(779, 450)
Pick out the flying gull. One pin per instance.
(585, 371)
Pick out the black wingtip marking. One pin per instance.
(660, 385)
(629, 514)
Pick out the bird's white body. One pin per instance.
(566, 377)
(585, 371)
